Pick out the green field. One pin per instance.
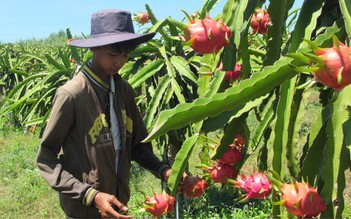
(24, 194)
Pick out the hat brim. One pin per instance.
(103, 40)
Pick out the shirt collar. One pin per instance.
(88, 71)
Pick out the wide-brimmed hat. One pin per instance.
(111, 26)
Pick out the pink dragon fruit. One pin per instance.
(195, 186)
(260, 21)
(232, 156)
(256, 186)
(207, 35)
(159, 204)
(333, 65)
(221, 172)
(302, 200)
(142, 17)
(232, 76)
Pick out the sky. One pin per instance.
(28, 19)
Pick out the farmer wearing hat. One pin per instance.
(95, 128)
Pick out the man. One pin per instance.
(95, 129)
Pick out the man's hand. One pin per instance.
(166, 174)
(183, 182)
(104, 203)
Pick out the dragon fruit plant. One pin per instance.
(260, 21)
(256, 186)
(159, 204)
(302, 200)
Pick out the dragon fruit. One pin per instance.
(221, 172)
(207, 35)
(142, 17)
(159, 204)
(256, 186)
(232, 76)
(302, 200)
(260, 21)
(195, 186)
(332, 66)
(232, 156)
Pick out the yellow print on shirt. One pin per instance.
(128, 122)
(99, 123)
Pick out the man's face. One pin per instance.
(107, 61)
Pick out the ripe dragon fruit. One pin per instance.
(232, 156)
(142, 17)
(256, 186)
(232, 76)
(302, 200)
(195, 186)
(260, 21)
(207, 35)
(159, 204)
(332, 66)
(221, 172)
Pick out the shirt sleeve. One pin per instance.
(48, 159)
(142, 153)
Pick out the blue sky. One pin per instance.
(26, 19)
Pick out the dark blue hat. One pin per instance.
(111, 26)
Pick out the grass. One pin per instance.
(25, 194)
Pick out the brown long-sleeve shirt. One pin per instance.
(77, 153)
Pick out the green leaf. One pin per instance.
(305, 24)
(262, 127)
(182, 67)
(203, 83)
(25, 82)
(21, 101)
(336, 156)
(180, 163)
(278, 12)
(207, 7)
(282, 123)
(177, 91)
(74, 50)
(53, 62)
(214, 123)
(259, 84)
(215, 84)
(312, 157)
(65, 59)
(19, 72)
(178, 24)
(151, 14)
(345, 6)
(155, 101)
(146, 72)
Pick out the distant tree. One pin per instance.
(53, 40)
